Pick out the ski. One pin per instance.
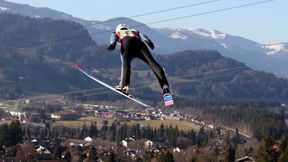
(110, 87)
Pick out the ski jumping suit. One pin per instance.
(132, 46)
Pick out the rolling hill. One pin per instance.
(270, 58)
(37, 56)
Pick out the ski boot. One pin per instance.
(123, 90)
(168, 100)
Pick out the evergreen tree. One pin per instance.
(193, 159)
(160, 131)
(84, 131)
(170, 135)
(57, 153)
(136, 131)
(27, 132)
(230, 154)
(42, 115)
(93, 132)
(283, 149)
(283, 157)
(113, 131)
(92, 154)
(121, 133)
(4, 135)
(15, 132)
(67, 156)
(10, 135)
(201, 138)
(110, 157)
(192, 136)
(104, 130)
(266, 153)
(283, 143)
(166, 157)
(236, 138)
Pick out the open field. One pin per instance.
(182, 125)
(79, 123)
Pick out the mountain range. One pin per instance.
(270, 58)
(37, 56)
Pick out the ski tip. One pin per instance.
(79, 66)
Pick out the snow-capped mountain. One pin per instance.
(32, 11)
(276, 49)
(209, 33)
(270, 58)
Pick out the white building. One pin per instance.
(124, 143)
(148, 144)
(88, 139)
(18, 114)
(55, 116)
(177, 149)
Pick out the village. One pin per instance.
(131, 147)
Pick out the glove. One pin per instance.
(111, 47)
(150, 44)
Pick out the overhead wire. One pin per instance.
(192, 80)
(189, 80)
(143, 82)
(209, 12)
(156, 22)
(193, 15)
(119, 19)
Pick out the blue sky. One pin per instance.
(264, 23)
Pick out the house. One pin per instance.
(124, 143)
(18, 114)
(55, 116)
(132, 153)
(211, 126)
(245, 159)
(42, 150)
(127, 141)
(65, 116)
(88, 139)
(148, 144)
(177, 150)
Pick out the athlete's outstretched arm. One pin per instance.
(146, 39)
(113, 41)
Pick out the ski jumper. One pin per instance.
(132, 47)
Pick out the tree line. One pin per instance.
(261, 122)
(116, 132)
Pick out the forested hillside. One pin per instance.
(37, 55)
(208, 75)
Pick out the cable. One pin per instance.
(143, 82)
(155, 22)
(139, 15)
(209, 12)
(193, 80)
(211, 72)
(193, 15)
(161, 21)
(155, 12)
(165, 10)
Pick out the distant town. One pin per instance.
(31, 115)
